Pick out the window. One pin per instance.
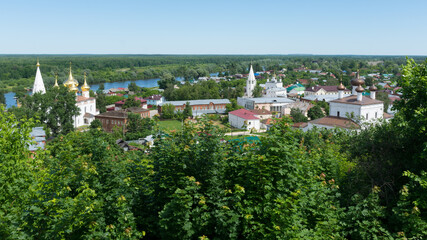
(366, 116)
(376, 115)
(338, 114)
(86, 121)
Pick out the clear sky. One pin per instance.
(365, 27)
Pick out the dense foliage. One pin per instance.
(288, 184)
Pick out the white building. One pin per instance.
(85, 103)
(250, 83)
(274, 88)
(199, 107)
(344, 110)
(270, 104)
(324, 90)
(244, 119)
(38, 81)
(155, 100)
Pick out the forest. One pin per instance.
(192, 184)
(17, 71)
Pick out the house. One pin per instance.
(119, 105)
(110, 120)
(270, 104)
(297, 88)
(262, 113)
(302, 106)
(199, 107)
(323, 90)
(39, 139)
(304, 81)
(325, 98)
(244, 119)
(118, 119)
(274, 88)
(88, 111)
(344, 110)
(330, 122)
(155, 100)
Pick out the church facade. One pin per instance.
(85, 103)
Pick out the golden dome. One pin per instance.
(71, 81)
(74, 88)
(341, 87)
(85, 86)
(373, 88)
(360, 89)
(56, 81)
(357, 81)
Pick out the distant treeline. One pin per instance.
(18, 71)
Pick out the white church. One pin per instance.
(84, 102)
(344, 110)
(274, 88)
(250, 83)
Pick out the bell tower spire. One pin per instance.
(38, 81)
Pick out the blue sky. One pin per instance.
(214, 27)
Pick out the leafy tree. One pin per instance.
(101, 87)
(188, 111)
(315, 112)
(133, 87)
(168, 111)
(383, 96)
(138, 127)
(165, 80)
(2, 98)
(232, 106)
(16, 174)
(131, 102)
(257, 91)
(95, 124)
(84, 191)
(56, 109)
(101, 102)
(297, 115)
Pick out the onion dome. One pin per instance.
(373, 88)
(85, 86)
(341, 87)
(56, 81)
(357, 81)
(73, 88)
(360, 89)
(71, 81)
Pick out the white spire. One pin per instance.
(250, 83)
(38, 82)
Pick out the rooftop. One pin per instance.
(82, 99)
(336, 122)
(326, 98)
(260, 112)
(197, 102)
(113, 114)
(353, 100)
(243, 113)
(326, 88)
(271, 100)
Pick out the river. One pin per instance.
(148, 83)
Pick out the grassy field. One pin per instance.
(168, 125)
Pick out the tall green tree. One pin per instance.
(315, 112)
(16, 174)
(297, 115)
(168, 111)
(56, 109)
(188, 111)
